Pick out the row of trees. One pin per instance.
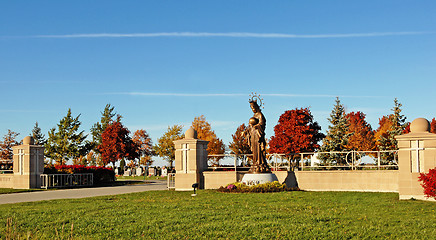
(110, 141)
(350, 131)
(165, 147)
(295, 132)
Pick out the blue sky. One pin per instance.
(161, 63)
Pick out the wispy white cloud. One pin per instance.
(151, 94)
(319, 95)
(39, 82)
(177, 94)
(24, 111)
(229, 35)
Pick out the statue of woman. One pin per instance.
(256, 136)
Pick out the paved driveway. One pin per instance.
(80, 192)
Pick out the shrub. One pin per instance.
(259, 188)
(429, 183)
(101, 174)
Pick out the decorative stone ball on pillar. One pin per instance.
(417, 154)
(191, 161)
(28, 164)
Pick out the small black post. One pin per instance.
(195, 186)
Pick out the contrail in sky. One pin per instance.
(228, 35)
(233, 95)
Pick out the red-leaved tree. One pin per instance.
(429, 183)
(116, 144)
(433, 126)
(296, 132)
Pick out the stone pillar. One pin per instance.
(191, 161)
(417, 154)
(28, 164)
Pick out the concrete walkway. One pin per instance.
(80, 192)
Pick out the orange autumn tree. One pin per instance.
(145, 146)
(361, 135)
(382, 131)
(239, 145)
(296, 132)
(116, 144)
(204, 132)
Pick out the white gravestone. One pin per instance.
(164, 172)
(152, 172)
(139, 171)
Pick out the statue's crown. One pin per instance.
(255, 98)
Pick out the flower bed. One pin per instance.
(101, 174)
(259, 188)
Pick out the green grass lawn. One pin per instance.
(11, 190)
(177, 215)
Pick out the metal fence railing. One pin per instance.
(171, 181)
(347, 160)
(6, 171)
(66, 180)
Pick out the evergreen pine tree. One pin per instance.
(388, 141)
(66, 142)
(337, 136)
(98, 128)
(37, 135)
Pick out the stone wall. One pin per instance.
(6, 180)
(365, 181)
(214, 180)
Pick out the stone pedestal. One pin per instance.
(191, 161)
(417, 154)
(251, 179)
(28, 164)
